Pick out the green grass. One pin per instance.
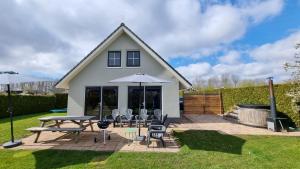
(200, 149)
(20, 124)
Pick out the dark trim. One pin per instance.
(158, 55)
(116, 51)
(101, 94)
(143, 91)
(90, 53)
(85, 96)
(122, 24)
(127, 58)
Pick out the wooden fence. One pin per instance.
(203, 104)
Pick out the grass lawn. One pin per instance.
(20, 124)
(200, 149)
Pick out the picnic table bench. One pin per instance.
(38, 131)
(79, 120)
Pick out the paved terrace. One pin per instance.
(119, 142)
(212, 122)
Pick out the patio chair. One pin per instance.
(160, 122)
(157, 114)
(127, 117)
(157, 132)
(143, 117)
(114, 117)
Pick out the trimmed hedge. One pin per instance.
(260, 95)
(61, 101)
(32, 104)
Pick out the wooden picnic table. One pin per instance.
(79, 120)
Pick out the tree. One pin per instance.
(199, 83)
(226, 80)
(295, 92)
(235, 79)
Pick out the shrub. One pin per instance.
(260, 95)
(61, 100)
(32, 104)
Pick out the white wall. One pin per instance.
(98, 74)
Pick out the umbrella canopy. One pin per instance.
(139, 78)
(13, 78)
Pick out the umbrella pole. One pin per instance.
(12, 142)
(140, 111)
(10, 114)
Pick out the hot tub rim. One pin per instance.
(254, 106)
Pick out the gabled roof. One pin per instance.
(63, 82)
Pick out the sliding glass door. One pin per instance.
(110, 99)
(92, 101)
(96, 102)
(152, 98)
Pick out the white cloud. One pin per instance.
(193, 71)
(280, 51)
(268, 61)
(260, 10)
(232, 57)
(67, 30)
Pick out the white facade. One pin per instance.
(93, 71)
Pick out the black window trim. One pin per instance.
(112, 51)
(127, 58)
(142, 88)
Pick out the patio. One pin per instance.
(118, 141)
(217, 123)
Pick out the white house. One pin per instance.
(121, 54)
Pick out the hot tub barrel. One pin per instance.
(253, 114)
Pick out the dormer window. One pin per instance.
(133, 59)
(114, 59)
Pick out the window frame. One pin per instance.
(139, 63)
(114, 66)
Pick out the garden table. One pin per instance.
(79, 120)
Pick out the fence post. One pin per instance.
(221, 101)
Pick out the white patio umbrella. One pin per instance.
(8, 78)
(139, 78)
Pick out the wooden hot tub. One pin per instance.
(253, 114)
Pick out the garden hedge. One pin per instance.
(32, 104)
(61, 101)
(260, 95)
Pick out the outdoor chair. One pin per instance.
(160, 122)
(127, 117)
(114, 117)
(157, 132)
(143, 117)
(157, 114)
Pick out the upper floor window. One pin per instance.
(114, 59)
(133, 59)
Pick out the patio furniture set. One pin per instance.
(157, 125)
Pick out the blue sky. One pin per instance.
(200, 38)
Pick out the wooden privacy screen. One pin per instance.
(203, 104)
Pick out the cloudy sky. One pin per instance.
(200, 38)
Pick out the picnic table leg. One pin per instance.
(43, 123)
(81, 125)
(76, 136)
(37, 136)
(91, 124)
(57, 124)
